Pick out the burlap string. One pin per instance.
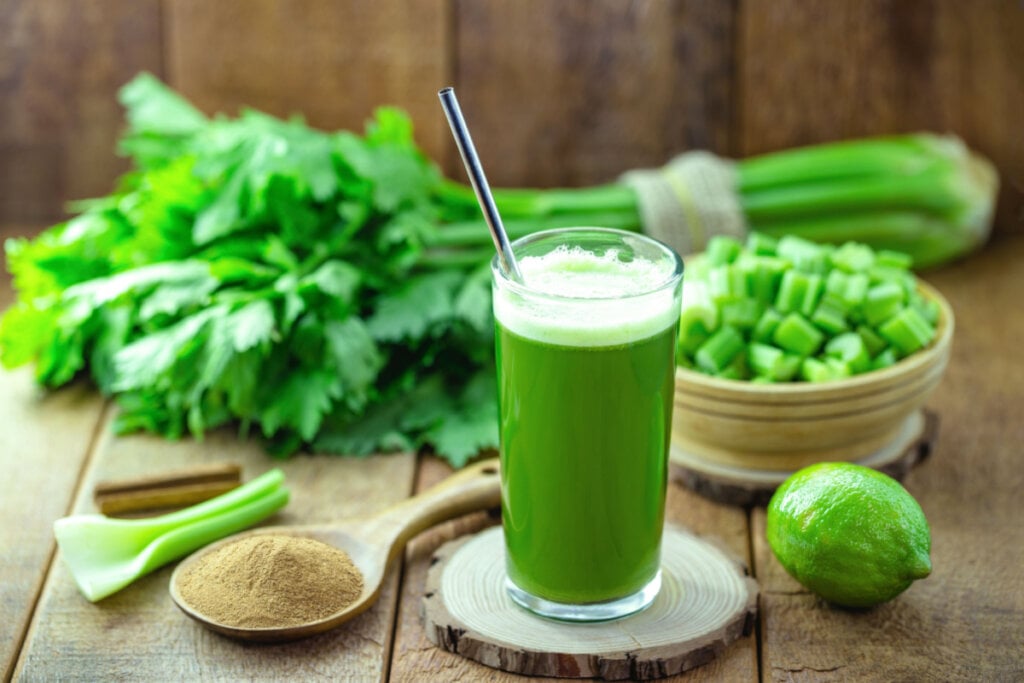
(689, 200)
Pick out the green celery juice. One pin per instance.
(586, 392)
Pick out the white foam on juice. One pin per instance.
(588, 299)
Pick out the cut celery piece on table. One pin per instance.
(104, 555)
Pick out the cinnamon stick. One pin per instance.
(169, 490)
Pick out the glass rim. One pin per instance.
(669, 282)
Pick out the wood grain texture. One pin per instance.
(747, 487)
(966, 621)
(415, 659)
(333, 62)
(575, 93)
(139, 634)
(817, 71)
(60, 67)
(40, 463)
(565, 93)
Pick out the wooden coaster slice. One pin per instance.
(706, 602)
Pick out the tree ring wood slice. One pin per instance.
(733, 485)
(706, 602)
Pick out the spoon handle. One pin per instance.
(476, 487)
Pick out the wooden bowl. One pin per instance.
(741, 424)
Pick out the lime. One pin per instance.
(849, 533)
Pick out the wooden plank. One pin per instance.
(576, 93)
(60, 67)
(416, 659)
(966, 621)
(333, 62)
(139, 633)
(981, 69)
(816, 71)
(44, 442)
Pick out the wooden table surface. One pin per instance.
(965, 622)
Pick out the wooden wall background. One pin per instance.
(557, 91)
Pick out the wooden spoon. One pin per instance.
(373, 543)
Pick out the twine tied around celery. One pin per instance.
(689, 200)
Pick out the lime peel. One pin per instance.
(849, 533)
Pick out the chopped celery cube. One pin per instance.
(853, 257)
(737, 369)
(904, 278)
(836, 283)
(814, 370)
(727, 283)
(696, 270)
(797, 335)
(722, 249)
(791, 244)
(791, 292)
(806, 256)
(907, 331)
(696, 323)
(765, 327)
(798, 292)
(762, 283)
(764, 359)
(762, 244)
(719, 350)
(696, 335)
(856, 289)
(882, 302)
(728, 373)
(850, 348)
(893, 259)
(835, 302)
(838, 368)
(697, 313)
(789, 366)
(742, 314)
(928, 308)
(763, 275)
(884, 359)
(829, 317)
(848, 288)
(772, 363)
(815, 285)
(872, 341)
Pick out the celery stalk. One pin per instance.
(897, 155)
(105, 555)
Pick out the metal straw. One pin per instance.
(479, 182)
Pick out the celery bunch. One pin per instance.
(925, 195)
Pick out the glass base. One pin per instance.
(591, 611)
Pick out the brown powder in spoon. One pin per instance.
(271, 581)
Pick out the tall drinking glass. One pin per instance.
(586, 350)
